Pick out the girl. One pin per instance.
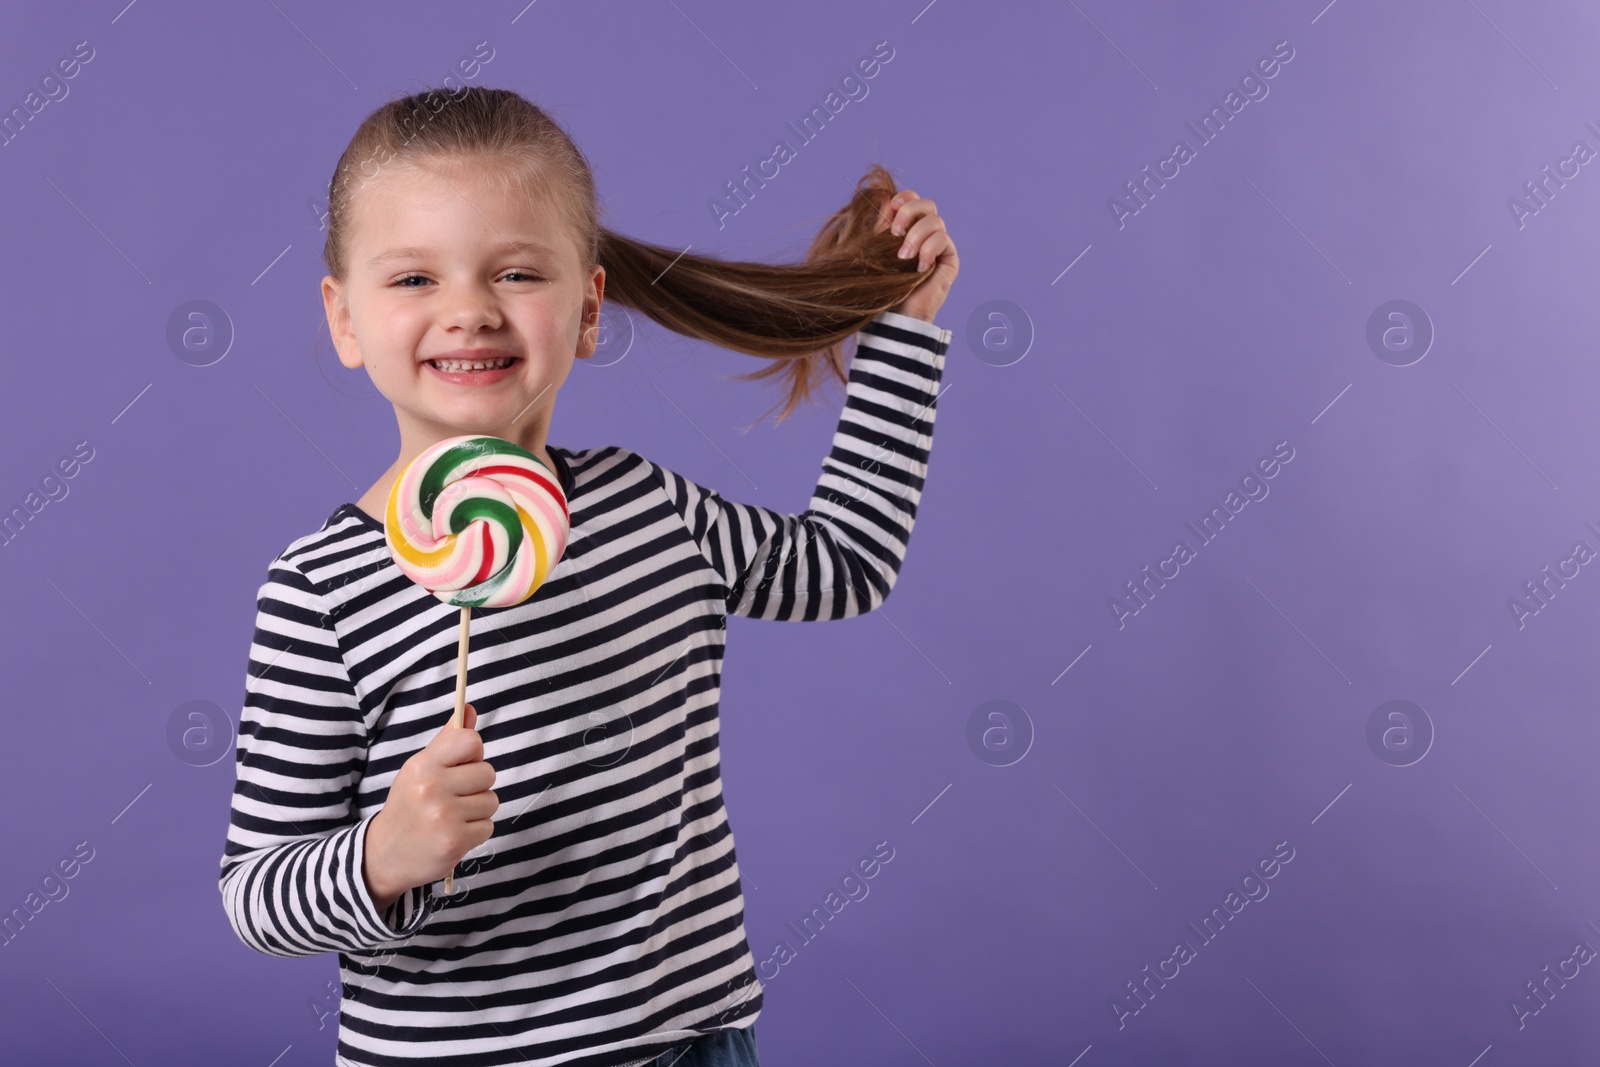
(597, 918)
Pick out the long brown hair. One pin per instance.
(798, 315)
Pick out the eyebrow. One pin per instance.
(419, 252)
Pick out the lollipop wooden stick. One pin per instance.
(477, 521)
(460, 716)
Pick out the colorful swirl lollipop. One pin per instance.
(477, 521)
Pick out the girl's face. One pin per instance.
(441, 264)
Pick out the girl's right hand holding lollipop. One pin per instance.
(440, 807)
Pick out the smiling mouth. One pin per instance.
(466, 366)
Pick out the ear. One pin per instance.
(589, 326)
(337, 311)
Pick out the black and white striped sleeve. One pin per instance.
(840, 557)
(292, 880)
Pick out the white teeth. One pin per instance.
(455, 366)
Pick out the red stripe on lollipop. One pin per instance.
(555, 492)
(487, 566)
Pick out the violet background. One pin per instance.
(1228, 315)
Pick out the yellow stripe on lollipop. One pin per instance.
(404, 547)
(541, 553)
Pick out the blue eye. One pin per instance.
(526, 274)
(410, 278)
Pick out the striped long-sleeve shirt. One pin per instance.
(602, 924)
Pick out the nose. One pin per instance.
(469, 306)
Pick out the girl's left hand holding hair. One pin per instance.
(926, 238)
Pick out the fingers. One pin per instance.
(476, 815)
(940, 251)
(917, 220)
(887, 211)
(452, 747)
(460, 754)
(479, 807)
(924, 232)
(466, 779)
(469, 721)
(926, 240)
(908, 207)
(891, 213)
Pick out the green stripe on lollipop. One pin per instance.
(471, 452)
(474, 596)
(469, 511)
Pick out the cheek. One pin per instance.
(554, 314)
(398, 319)
(393, 327)
(390, 339)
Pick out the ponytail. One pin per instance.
(797, 315)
